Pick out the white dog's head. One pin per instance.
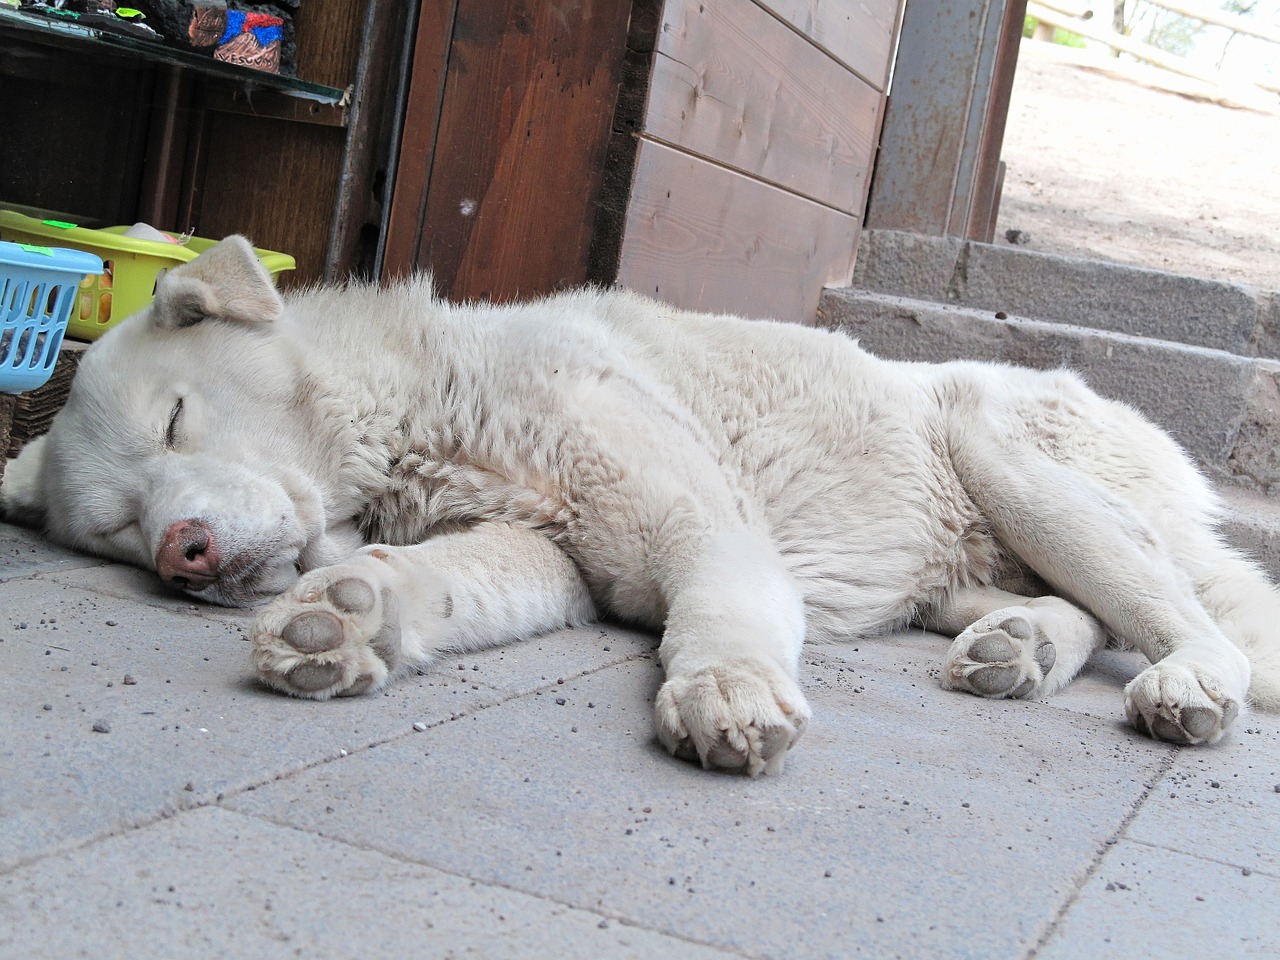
(182, 446)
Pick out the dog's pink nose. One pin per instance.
(188, 557)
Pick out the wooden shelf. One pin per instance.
(68, 35)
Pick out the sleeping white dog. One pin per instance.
(413, 477)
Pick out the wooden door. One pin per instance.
(504, 143)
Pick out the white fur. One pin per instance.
(451, 477)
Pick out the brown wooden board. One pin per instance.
(528, 101)
(418, 137)
(859, 35)
(732, 83)
(328, 36)
(702, 237)
(275, 183)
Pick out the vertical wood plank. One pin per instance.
(705, 238)
(529, 97)
(418, 136)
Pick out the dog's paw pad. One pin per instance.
(352, 595)
(995, 681)
(334, 634)
(1002, 655)
(311, 677)
(313, 632)
(741, 716)
(1180, 703)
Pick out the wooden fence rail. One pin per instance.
(1257, 91)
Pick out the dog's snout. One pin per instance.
(188, 555)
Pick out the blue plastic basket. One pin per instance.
(38, 288)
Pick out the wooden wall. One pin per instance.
(740, 162)
(504, 142)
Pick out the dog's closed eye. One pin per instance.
(171, 432)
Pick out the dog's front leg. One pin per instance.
(350, 628)
(731, 649)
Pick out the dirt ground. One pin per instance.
(1118, 167)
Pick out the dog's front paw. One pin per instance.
(1180, 702)
(1005, 654)
(333, 634)
(739, 715)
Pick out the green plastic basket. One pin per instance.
(130, 267)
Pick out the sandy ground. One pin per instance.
(1119, 167)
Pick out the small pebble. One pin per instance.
(419, 727)
(603, 924)
(111, 623)
(129, 681)
(48, 706)
(1246, 872)
(1215, 784)
(101, 726)
(189, 787)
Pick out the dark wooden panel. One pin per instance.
(328, 36)
(73, 131)
(703, 237)
(529, 98)
(857, 34)
(732, 83)
(418, 137)
(274, 182)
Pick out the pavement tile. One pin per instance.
(24, 552)
(908, 822)
(1148, 902)
(209, 883)
(195, 716)
(1221, 802)
(1097, 692)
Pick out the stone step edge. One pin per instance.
(1098, 294)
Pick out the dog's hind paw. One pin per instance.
(1180, 703)
(332, 634)
(1005, 654)
(740, 715)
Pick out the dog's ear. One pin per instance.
(22, 498)
(226, 282)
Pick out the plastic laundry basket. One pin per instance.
(38, 289)
(131, 266)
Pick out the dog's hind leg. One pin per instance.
(1097, 549)
(1008, 645)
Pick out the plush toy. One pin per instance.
(257, 35)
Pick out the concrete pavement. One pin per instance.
(516, 804)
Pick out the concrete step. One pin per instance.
(1251, 522)
(1090, 293)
